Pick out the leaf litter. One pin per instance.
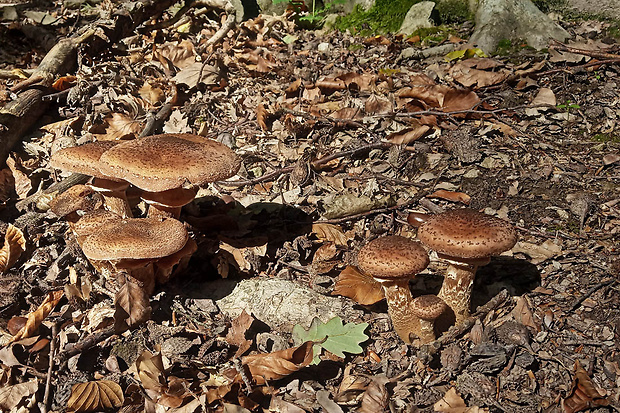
(337, 148)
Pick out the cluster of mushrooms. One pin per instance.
(162, 170)
(464, 238)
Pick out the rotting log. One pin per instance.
(19, 115)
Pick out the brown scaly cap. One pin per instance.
(392, 257)
(83, 159)
(136, 238)
(161, 162)
(428, 307)
(176, 197)
(94, 221)
(465, 233)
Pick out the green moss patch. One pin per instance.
(386, 16)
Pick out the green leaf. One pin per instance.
(464, 54)
(332, 336)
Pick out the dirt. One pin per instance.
(314, 120)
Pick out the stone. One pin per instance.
(418, 16)
(281, 303)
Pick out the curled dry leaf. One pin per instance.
(36, 317)
(236, 334)
(376, 396)
(14, 245)
(12, 396)
(94, 396)
(261, 116)
(584, 395)
(451, 196)
(408, 135)
(330, 233)
(453, 403)
(279, 364)
(167, 391)
(358, 286)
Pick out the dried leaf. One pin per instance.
(152, 94)
(545, 96)
(132, 303)
(23, 184)
(584, 395)
(523, 314)
(236, 335)
(95, 395)
(181, 54)
(119, 126)
(167, 391)
(376, 396)
(538, 253)
(330, 233)
(451, 196)
(279, 364)
(261, 116)
(14, 245)
(453, 403)
(198, 73)
(465, 73)
(36, 317)
(459, 99)
(12, 396)
(378, 105)
(408, 135)
(7, 185)
(359, 287)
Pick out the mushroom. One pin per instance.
(427, 308)
(84, 159)
(133, 244)
(466, 239)
(168, 203)
(394, 260)
(75, 201)
(166, 162)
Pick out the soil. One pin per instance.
(314, 117)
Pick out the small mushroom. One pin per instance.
(427, 308)
(85, 159)
(394, 260)
(466, 239)
(168, 162)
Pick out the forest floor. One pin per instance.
(340, 138)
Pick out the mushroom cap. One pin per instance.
(136, 238)
(428, 307)
(76, 198)
(468, 234)
(94, 221)
(83, 159)
(176, 197)
(392, 257)
(161, 162)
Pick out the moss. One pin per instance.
(453, 11)
(605, 138)
(386, 16)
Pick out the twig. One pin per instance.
(372, 211)
(88, 342)
(315, 164)
(426, 352)
(591, 53)
(591, 291)
(50, 368)
(463, 112)
(574, 69)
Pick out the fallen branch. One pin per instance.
(590, 53)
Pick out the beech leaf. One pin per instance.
(358, 286)
(12, 396)
(14, 245)
(95, 395)
(279, 364)
(36, 317)
(132, 303)
(330, 232)
(332, 336)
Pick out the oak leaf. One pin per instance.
(358, 286)
(94, 396)
(14, 245)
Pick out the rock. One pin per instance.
(267, 7)
(417, 17)
(281, 303)
(513, 19)
(323, 47)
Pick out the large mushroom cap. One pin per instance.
(161, 162)
(83, 159)
(392, 257)
(136, 238)
(428, 307)
(465, 233)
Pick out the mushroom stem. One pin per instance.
(399, 301)
(426, 331)
(457, 286)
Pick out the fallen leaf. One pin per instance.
(453, 403)
(376, 396)
(451, 196)
(538, 253)
(408, 135)
(119, 126)
(584, 395)
(198, 73)
(279, 364)
(545, 96)
(12, 396)
(131, 302)
(358, 286)
(455, 100)
(167, 391)
(14, 245)
(36, 317)
(95, 395)
(181, 54)
(330, 233)
(261, 116)
(523, 314)
(23, 184)
(378, 105)
(236, 334)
